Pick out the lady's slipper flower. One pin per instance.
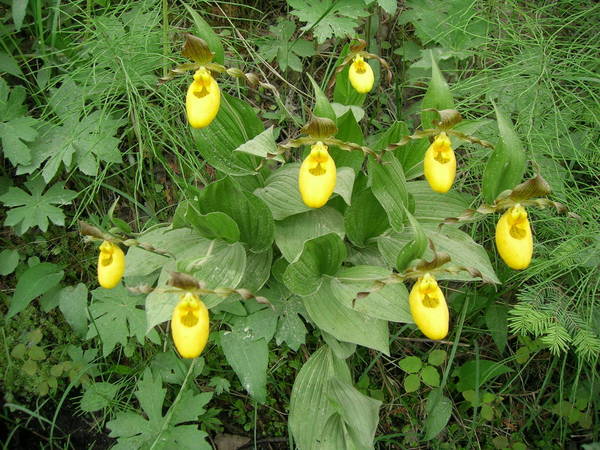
(190, 326)
(111, 265)
(428, 307)
(513, 238)
(203, 99)
(439, 164)
(361, 75)
(317, 176)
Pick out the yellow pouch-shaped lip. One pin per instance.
(317, 177)
(439, 164)
(513, 238)
(111, 265)
(361, 75)
(428, 308)
(203, 99)
(190, 326)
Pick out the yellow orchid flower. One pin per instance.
(428, 307)
(111, 265)
(361, 75)
(439, 164)
(203, 99)
(317, 176)
(513, 238)
(190, 325)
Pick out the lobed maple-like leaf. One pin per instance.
(36, 208)
(135, 431)
(16, 128)
(327, 18)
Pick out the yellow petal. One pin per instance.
(439, 164)
(428, 308)
(317, 177)
(513, 238)
(203, 99)
(190, 326)
(111, 265)
(361, 75)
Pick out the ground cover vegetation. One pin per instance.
(303, 224)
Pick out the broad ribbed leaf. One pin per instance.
(251, 214)
(389, 186)
(463, 251)
(261, 145)
(361, 413)
(387, 303)
(438, 95)
(292, 232)
(214, 225)
(507, 163)
(345, 324)
(281, 192)
(431, 206)
(205, 31)
(322, 106)
(310, 407)
(348, 131)
(235, 124)
(321, 256)
(365, 218)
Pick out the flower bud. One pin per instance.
(513, 238)
(111, 265)
(361, 75)
(317, 177)
(439, 164)
(203, 99)
(190, 326)
(428, 307)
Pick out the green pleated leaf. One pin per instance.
(507, 163)
(414, 248)
(322, 106)
(461, 248)
(258, 270)
(345, 183)
(182, 242)
(409, 155)
(215, 262)
(249, 212)
(205, 31)
(434, 207)
(365, 218)
(387, 303)
(281, 192)
(389, 186)
(310, 407)
(348, 131)
(359, 412)
(292, 232)
(235, 124)
(214, 225)
(321, 256)
(261, 145)
(438, 96)
(345, 324)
